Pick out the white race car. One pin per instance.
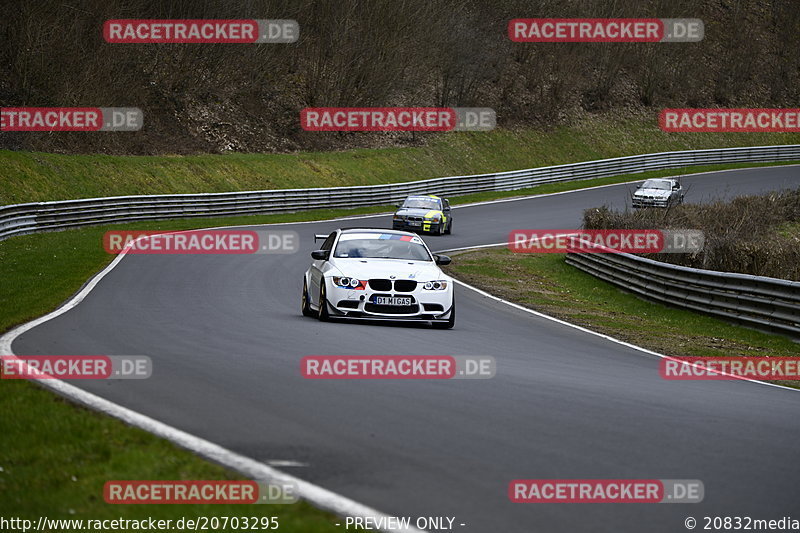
(658, 192)
(377, 274)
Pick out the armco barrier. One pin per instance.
(44, 216)
(764, 303)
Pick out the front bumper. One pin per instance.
(649, 202)
(426, 226)
(427, 305)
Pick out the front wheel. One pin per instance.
(322, 314)
(306, 308)
(450, 321)
(449, 229)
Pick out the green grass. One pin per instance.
(57, 457)
(550, 188)
(544, 282)
(790, 230)
(39, 271)
(28, 176)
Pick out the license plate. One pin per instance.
(392, 300)
(414, 223)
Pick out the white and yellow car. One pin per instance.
(424, 213)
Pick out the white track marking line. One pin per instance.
(502, 200)
(516, 199)
(471, 247)
(317, 495)
(252, 469)
(601, 335)
(506, 243)
(285, 463)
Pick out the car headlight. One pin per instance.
(435, 218)
(349, 283)
(399, 217)
(438, 285)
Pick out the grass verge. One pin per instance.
(57, 458)
(39, 271)
(545, 283)
(59, 455)
(758, 247)
(35, 176)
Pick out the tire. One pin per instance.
(450, 321)
(306, 308)
(441, 229)
(323, 314)
(449, 229)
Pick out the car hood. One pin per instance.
(415, 211)
(658, 193)
(365, 268)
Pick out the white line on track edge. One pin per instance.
(318, 496)
(603, 335)
(496, 201)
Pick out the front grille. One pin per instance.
(380, 284)
(647, 200)
(392, 309)
(401, 285)
(413, 218)
(349, 304)
(405, 285)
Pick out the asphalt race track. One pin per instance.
(226, 337)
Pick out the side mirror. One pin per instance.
(676, 187)
(321, 255)
(442, 259)
(398, 205)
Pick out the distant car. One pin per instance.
(661, 192)
(424, 213)
(378, 274)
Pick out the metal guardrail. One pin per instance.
(761, 302)
(20, 219)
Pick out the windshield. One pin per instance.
(422, 203)
(657, 184)
(382, 246)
